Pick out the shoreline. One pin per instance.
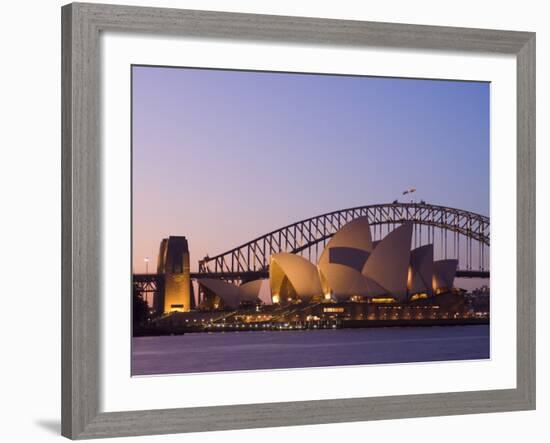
(307, 326)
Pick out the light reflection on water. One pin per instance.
(231, 351)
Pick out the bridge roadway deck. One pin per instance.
(253, 275)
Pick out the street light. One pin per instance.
(146, 259)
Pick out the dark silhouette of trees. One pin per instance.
(140, 309)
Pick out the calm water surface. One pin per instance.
(232, 351)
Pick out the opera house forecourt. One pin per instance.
(357, 282)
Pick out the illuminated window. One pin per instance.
(383, 300)
(334, 310)
(420, 296)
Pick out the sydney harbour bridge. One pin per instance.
(455, 233)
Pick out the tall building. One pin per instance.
(175, 293)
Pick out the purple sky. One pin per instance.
(223, 157)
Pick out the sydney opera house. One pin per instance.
(352, 267)
(356, 282)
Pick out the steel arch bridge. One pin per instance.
(455, 233)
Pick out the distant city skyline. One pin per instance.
(222, 157)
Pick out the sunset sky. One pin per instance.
(222, 157)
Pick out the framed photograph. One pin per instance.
(304, 218)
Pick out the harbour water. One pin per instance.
(250, 350)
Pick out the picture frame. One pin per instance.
(81, 225)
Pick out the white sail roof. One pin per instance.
(301, 273)
(343, 282)
(388, 264)
(444, 274)
(421, 270)
(355, 235)
(228, 292)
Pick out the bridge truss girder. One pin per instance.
(310, 233)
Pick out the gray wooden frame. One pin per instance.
(81, 206)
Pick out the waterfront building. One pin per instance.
(353, 267)
(219, 294)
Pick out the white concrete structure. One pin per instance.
(293, 278)
(388, 265)
(421, 270)
(249, 292)
(350, 246)
(353, 265)
(221, 294)
(343, 282)
(444, 275)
